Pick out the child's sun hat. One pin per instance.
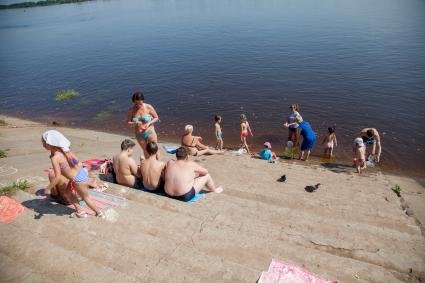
(359, 142)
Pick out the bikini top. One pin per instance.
(191, 144)
(66, 165)
(142, 118)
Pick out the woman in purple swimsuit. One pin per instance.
(65, 164)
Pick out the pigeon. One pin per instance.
(282, 179)
(311, 189)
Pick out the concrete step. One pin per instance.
(222, 235)
(14, 271)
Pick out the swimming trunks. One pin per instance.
(244, 134)
(138, 184)
(330, 145)
(367, 140)
(186, 197)
(82, 176)
(144, 135)
(358, 161)
(219, 135)
(159, 188)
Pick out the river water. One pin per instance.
(348, 63)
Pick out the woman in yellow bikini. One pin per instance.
(143, 116)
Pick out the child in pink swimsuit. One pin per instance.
(245, 128)
(359, 155)
(330, 142)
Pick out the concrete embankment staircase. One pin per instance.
(229, 237)
(351, 229)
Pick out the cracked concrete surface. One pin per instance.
(352, 229)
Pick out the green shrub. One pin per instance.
(64, 95)
(21, 185)
(3, 153)
(397, 190)
(3, 122)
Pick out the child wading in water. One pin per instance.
(359, 155)
(66, 164)
(331, 142)
(218, 133)
(245, 128)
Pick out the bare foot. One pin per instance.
(218, 190)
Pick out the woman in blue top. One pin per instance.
(143, 116)
(294, 118)
(309, 139)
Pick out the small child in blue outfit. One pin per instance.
(266, 153)
(218, 133)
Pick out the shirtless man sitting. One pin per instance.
(125, 166)
(371, 136)
(152, 169)
(184, 178)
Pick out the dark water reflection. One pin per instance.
(349, 64)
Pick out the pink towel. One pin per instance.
(9, 209)
(282, 272)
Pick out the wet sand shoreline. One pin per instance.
(170, 135)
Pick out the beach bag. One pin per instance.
(107, 169)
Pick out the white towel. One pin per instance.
(55, 138)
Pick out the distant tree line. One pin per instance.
(39, 4)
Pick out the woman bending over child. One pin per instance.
(66, 164)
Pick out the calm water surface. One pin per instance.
(348, 63)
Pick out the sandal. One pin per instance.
(82, 214)
(101, 215)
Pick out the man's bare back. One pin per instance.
(153, 173)
(184, 178)
(179, 177)
(125, 169)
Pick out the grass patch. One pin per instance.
(21, 185)
(3, 153)
(64, 95)
(3, 122)
(397, 190)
